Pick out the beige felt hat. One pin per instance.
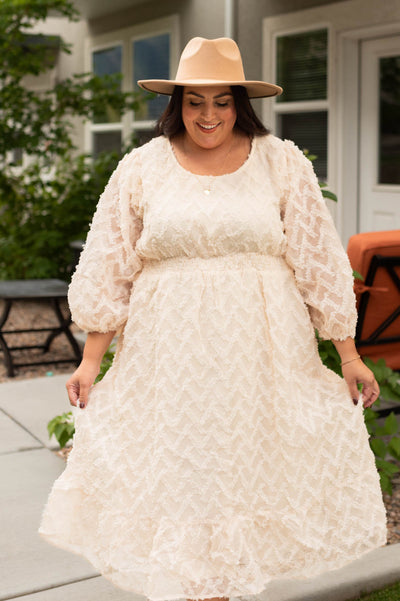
(211, 63)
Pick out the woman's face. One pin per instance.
(209, 115)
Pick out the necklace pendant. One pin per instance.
(207, 191)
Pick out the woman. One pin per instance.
(218, 453)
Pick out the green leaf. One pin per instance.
(63, 428)
(70, 429)
(50, 427)
(330, 195)
(391, 426)
(394, 448)
(59, 430)
(357, 275)
(63, 438)
(311, 157)
(386, 467)
(388, 394)
(378, 447)
(386, 483)
(370, 415)
(379, 368)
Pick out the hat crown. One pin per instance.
(210, 63)
(204, 59)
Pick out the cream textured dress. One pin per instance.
(218, 453)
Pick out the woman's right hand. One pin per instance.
(80, 382)
(83, 378)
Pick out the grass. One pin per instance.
(391, 593)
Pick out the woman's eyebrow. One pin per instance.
(194, 94)
(217, 96)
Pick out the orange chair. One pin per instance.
(376, 256)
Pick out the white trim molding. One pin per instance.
(349, 23)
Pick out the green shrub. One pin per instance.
(48, 198)
(40, 216)
(62, 427)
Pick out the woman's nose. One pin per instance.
(208, 111)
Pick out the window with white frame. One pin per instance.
(302, 110)
(136, 55)
(107, 125)
(151, 60)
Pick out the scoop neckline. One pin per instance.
(198, 175)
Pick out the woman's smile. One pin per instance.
(208, 127)
(209, 115)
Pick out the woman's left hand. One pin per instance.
(356, 372)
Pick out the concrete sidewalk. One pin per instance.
(32, 570)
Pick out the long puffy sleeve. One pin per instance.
(315, 253)
(100, 287)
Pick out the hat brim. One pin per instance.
(255, 89)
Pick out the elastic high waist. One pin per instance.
(218, 263)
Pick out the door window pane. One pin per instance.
(151, 58)
(106, 141)
(302, 66)
(389, 120)
(309, 131)
(107, 62)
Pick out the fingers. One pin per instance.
(83, 395)
(73, 391)
(370, 390)
(352, 384)
(355, 393)
(78, 391)
(370, 393)
(356, 373)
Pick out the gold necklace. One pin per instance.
(207, 189)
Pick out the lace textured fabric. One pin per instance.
(218, 453)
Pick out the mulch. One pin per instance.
(36, 314)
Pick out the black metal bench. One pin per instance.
(51, 291)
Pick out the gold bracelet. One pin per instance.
(350, 360)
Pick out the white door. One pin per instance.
(379, 167)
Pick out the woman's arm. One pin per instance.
(315, 253)
(82, 379)
(356, 372)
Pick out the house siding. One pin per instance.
(197, 18)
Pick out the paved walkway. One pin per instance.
(32, 570)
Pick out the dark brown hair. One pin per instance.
(170, 123)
